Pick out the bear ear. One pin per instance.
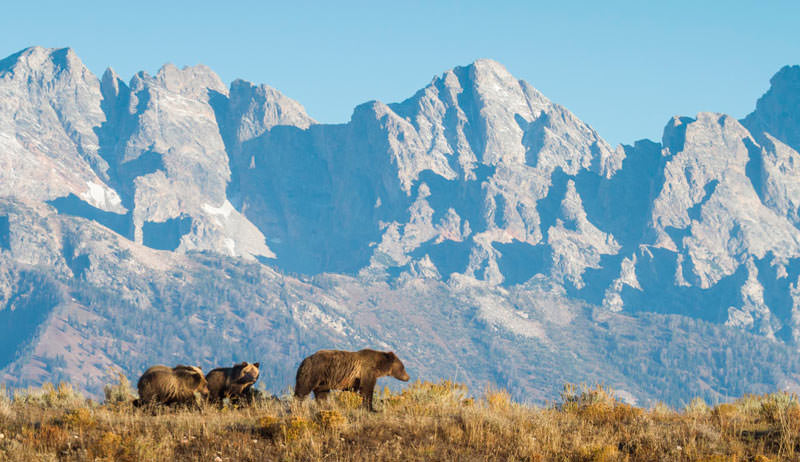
(388, 359)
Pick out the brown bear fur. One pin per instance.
(233, 383)
(328, 370)
(177, 385)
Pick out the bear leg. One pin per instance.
(366, 389)
(355, 387)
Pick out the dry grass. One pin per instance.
(426, 421)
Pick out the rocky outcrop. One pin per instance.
(49, 109)
(777, 113)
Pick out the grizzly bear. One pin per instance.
(328, 370)
(234, 383)
(177, 385)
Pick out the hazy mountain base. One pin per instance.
(113, 304)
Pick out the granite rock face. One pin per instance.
(49, 107)
(777, 113)
(172, 218)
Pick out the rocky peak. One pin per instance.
(49, 108)
(43, 61)
(47, 70)
(110, 84)
(139, 81)
(481, 114)
(254, 109)
(190, 81)
(116, 98)
(778, 111)
(709, 208)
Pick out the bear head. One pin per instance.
(245, 373)
(395, 367)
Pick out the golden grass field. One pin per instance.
(425, 421)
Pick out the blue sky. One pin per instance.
(623, 67)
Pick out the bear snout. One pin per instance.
(204, 390)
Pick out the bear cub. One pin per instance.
(234, 383)
(177, 385)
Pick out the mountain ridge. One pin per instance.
(504, 221)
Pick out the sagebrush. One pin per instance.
(424, 421)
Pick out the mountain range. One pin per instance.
(478, 229)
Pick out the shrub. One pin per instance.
(662, 411)
(269, 426)
(498, 399)
(574, 397)
(50, 437)
(79, 418)
(6, 410)
(331, 419)
(119, 393)
(347, 400)
(444, 392)
(296, 426)
(775, 406)
(108, 445)
(597, 405)
(50, 396)
(696, 408)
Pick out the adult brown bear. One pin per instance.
(177, 385)
(328, 370)
(234, 383)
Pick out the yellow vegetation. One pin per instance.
(331, 419)
(79, 418)
(424, 421)
(347, 400)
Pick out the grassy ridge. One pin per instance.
(425, 421)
